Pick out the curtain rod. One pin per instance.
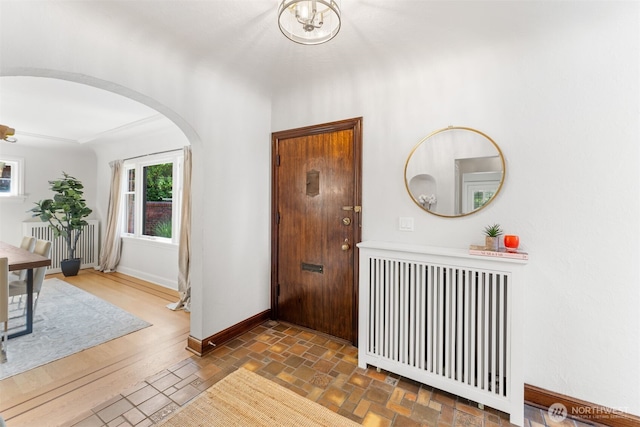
(152, 154)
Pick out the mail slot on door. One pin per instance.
(314, 268)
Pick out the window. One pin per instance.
(11, 177)
(152, 196)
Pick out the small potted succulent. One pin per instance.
(492, 237)
(66, 214)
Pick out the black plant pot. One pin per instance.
(70, 267)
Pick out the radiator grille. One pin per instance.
(86, 250)
(449, 321)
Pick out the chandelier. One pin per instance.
(6, 133)
(309, 21)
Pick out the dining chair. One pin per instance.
(19, 287)
(4, 307)
(28, 244)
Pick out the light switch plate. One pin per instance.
(405, 223)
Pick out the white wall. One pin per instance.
(41, 165)
(563, 107)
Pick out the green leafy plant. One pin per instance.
(493, 230)
(65, 213)
(163, 229)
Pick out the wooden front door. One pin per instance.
(316, 224)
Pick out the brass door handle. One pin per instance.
(346, 246)
(352, 208)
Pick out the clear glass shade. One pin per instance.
(309, 21)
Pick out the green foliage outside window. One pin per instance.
(159, 181)
(163, 229)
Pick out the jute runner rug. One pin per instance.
(244, 398)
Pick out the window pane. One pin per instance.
(131, 180)
(480, 198)
(5, 180)
(158, 194)
(130, 202)
(130, 213)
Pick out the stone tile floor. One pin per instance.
(321, 368)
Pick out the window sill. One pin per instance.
(147, 241)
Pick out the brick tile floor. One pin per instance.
(321, 368)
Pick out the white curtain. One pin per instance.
(112, 246)
(184, 246)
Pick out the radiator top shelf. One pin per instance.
(433, 250)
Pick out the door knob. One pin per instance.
(346, 246)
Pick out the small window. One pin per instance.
(11, 177)
(152, 196)
(130, 201)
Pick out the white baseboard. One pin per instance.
(158, 280)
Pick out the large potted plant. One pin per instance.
(65, 214)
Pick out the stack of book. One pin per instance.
(500, 253)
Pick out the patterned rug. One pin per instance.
(67, 320)
(244, 398)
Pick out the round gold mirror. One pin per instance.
(454, 172)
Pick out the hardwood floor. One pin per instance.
(66, 389)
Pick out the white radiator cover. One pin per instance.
(86, 250)
(446, 319)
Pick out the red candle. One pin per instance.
(511, 242)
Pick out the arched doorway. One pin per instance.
(94, 122)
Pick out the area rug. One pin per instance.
(244, 398)
(67, 320)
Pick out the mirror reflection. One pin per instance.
(454, 171)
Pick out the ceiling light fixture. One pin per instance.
(6, 133)
(309, 21)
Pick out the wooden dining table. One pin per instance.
(21, 259)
